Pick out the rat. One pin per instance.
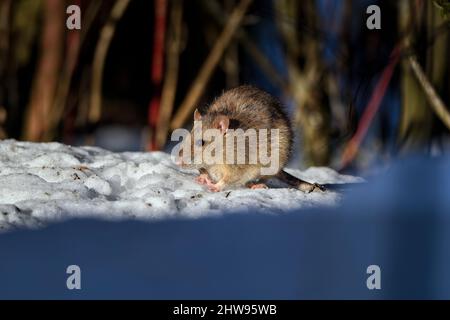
(244, 107)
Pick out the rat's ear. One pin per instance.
(222, 123)
(197, 115)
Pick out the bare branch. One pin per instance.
(435, 101)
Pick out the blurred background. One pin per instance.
(137, 69)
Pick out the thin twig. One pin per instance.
(46, 78)
(101, 51)
(435, 101)
(65, 81)
(214, 9)
(210, 64)
(171, 76)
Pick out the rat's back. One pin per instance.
(251, 108)
(254, 107)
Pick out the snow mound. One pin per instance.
(44, 182)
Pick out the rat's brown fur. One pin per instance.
(247, 107)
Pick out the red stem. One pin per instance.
(157, 67)
(370, 111)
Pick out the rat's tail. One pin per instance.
(299, 183)
(311, 187)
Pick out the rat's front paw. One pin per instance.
(203, 179)
(215, 187)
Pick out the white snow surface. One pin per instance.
(47, 182)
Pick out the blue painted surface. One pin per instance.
(399, 221)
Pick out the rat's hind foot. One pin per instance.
(255, 186)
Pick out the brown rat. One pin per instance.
(244, 109)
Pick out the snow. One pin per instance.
(47, 182)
